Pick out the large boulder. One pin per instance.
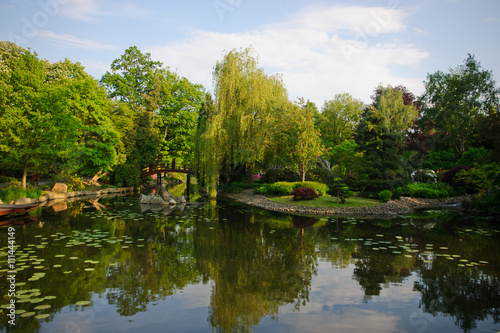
(60, 188)
(172, 202)
(144, 199)
(55, 196)
(158, 201)
(181, 199)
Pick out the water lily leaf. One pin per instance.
(27, 314)
(82, 303)
(42, 316)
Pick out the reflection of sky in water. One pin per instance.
(256, 266)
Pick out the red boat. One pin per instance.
(16, 209)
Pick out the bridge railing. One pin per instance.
(166, 167)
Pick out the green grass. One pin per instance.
(328, 201)
(15, 192)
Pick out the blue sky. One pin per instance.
(321, 48)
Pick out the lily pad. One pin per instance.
(27, 314)
(82, 303)
(43, 307)
(42, 316)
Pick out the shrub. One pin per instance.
(320, 188)
(340, 190)
(423, 190)
(385, 195)
(286, 188)
(304, 193)
(281, 188)
(5, 179)
(449, 176)
(480, 178)
(424, 176)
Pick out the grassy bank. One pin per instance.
(328, 201)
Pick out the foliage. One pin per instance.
(14, 192)
(73, 182)
(338, 119)
(398, 116)
(382, 167)
(127, 175)
(385, 195)
(237, 187)
(458, 101)
(298, 142)
(5, 179)
(340, 190)
(304, 193)
(328, 201)
(241, 128)
(479, 178)
(320, 188)
(440, 160)
(346, 159)
(285, 174)
(425, 190)
(424, 176)
(473, 155)
(285, 188)
(449, 176)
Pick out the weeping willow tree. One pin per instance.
(240, 128)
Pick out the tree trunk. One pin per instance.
(249, 172)
(25, 173)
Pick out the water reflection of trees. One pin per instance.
(467, 295)
(256, 268)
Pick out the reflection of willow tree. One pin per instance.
(467, 295)
(154, 272)
(254, 268)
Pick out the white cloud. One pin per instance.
(82, 10)
(491, 19)
(311, 50)
(69, 41)
(89, 10)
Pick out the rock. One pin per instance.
(181, 199)
(172, 202)
(158, 201)
(60, 188)
(43, 198)
(167, 196)
(1, 202)
(144, 199)
(25, 201)
(55, 196)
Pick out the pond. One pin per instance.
(225, 267)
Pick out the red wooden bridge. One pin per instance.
(165, 168)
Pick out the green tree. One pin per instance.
(298, 141)
(33, 129)
(381, 149)
(398, 115)
(338, 119)
(94, 135)
(241, 128)
(457, 101)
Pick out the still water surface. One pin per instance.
(228, 268)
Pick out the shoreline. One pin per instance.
(391, 209)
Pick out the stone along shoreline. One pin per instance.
(391, 209)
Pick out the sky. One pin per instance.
(320, 48)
